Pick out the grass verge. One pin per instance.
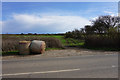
(102, 48)
(10, 53)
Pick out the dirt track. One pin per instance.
(76, 52)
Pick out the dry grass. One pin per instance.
(11, 43)
(103, 41)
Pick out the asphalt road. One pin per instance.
(89, 66)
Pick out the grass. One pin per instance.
(102, 48)
(12, 43)
(74, 42)
(60, 37)
(53, 49)
(69, 42)
(12, 49)
(10, 53)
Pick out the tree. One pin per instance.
(82, 30)
(22, 33)
(118, 28)
(89, 29)
(103, 23)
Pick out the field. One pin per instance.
(10, 43)
(64, 41)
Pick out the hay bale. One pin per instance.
(24, 47)
(37, 46)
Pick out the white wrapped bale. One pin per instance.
(24, 47)
(37, 46)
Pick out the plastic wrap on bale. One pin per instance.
(24, 47)
(37, 46)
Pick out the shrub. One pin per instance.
(76, 34)
(103, 40)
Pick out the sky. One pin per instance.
(52, 17)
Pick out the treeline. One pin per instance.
(36, 34)
(30, 34)
(103, 32)
(41, 34)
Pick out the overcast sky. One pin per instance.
(52, 17)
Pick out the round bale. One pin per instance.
(24, 47)
(37, 46)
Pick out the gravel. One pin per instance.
(65, 52)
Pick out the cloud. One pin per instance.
(94, 18)
(42, 24)
(111, 13)
(108, 12)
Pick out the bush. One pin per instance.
(112, 41)
(12, 43)
(76, 34)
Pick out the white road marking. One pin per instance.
(15, 74)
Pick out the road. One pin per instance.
(88, 66)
